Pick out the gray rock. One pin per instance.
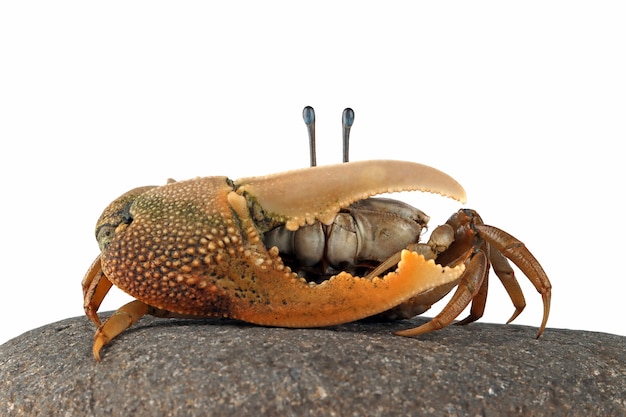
(177, 367)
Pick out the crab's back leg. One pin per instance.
(517, 252)
(505, 273)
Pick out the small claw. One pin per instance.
(303, 196)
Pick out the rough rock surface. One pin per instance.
(166, 367)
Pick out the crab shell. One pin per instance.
(192, 247)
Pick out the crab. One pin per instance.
(303, 248)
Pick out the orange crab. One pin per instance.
(305, 248)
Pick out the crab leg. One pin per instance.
(505, 273)
(121, 320)
(94, 290)
(517, 252)
(479, 301)
(470, 284)
(125, 317)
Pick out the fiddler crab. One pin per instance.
(303, 248)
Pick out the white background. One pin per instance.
(524, 103)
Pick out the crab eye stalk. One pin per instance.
(308, 114)
(347, 119)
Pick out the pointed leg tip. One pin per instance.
(467, 320)
(544, 323)
(97, 346)
(516, 313)
(92, 315)
(541, 330)
(547, 295)
(409, 332)
(424, 328)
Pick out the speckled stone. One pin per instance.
(170, 367)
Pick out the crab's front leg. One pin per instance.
(95, 287)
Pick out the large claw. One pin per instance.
(317, 194)
(303, 196)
